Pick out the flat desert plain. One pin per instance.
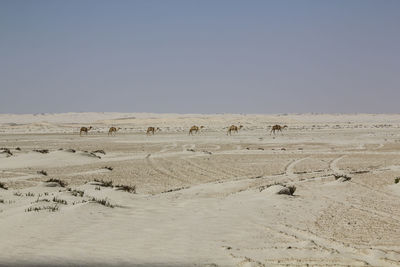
(210, 199)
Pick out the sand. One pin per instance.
(203, 200)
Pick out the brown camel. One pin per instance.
(113, 130)
(195, 129)
(85, 130)
(234, 128)
(278, 128)
(152, 130)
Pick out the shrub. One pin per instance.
(287, 190)
(396, 180)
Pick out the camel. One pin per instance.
(195, 129)
(85, 130)
(113, 130)
(234, 128)
(278, 128)
(152, 130)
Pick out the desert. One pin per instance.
(207, 199)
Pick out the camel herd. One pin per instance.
(193, 130)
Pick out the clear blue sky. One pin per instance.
(200, 56)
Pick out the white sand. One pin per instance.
(203, 200)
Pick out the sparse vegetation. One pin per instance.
(108, 168)
(104, 183)
(2, 201)
(58, 200)
(42, 172)
(57, 181)
(18, 194)
(3, 186)
(97, 188)
(175, 189)
(127, 188)
(103, 202)
(41, 200)
(49, 208)
(76, 193)
(29, 194)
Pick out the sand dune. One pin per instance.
(203, 200)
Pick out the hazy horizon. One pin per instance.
(242, 57)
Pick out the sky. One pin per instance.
(205, 56)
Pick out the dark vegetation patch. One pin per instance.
(104, 183)
(127, 188)
(287, 190)
(57, 181)
(49, 208)
(76, 192)
(102, 201)
(359, 172)
(60, 201)
(42, 172)
(43, 151)
(342, 177)
(6, 151)
(175, 189)
(99, 151)
(3, 186)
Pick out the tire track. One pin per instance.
(366, 256)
